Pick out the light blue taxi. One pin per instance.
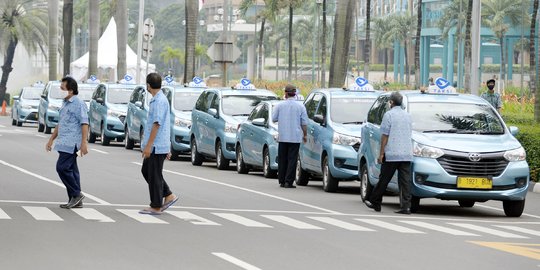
(333, 134)
(215, 120)
(462, 150)
(25, 105)
(256, 141)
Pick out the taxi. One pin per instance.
(335, 118)
(462, 150)
(25, 105)
(257, 141)
(215, 120)
(108, 109)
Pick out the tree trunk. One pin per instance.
(296, 63)
(122, 36)
(468, 47)
(53, 40)
(323, 44)
(261, 53)
(290, 57)
(532, 65)
(385, 64)
(67, 25)
(94, 38)
(277, 60)
(368, 42)
(339, 60)
(503, 62)
(417, 81)
(7, 67)
(192, 15)
(407, 67)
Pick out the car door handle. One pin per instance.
(251, 134)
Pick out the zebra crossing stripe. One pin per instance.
(388, 226)
(134, 214)
(194, 219)
(292, 222)
(92, 214)
(438, 228)
(342, 224)
(518, 229)
(3, 215)
(242, 220)
(42, 213)
(487, 230)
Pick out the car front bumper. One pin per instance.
(343, 162)
(180, 139)
(114, 127)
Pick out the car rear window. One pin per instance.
(85, 92)
(56, 92)
(185, 101)
(242, 105)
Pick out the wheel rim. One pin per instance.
(218, 154)
(325, 174)
(298, 168)
(363, 185)
(266, 162)
(193, 150)
(239, 158)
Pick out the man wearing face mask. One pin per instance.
(493, 98)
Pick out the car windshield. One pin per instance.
(458, 118)
(242, 105)
(85, 92)
(350, 110)
(119, 95)
(32, 93)
(56, 93)
(185, 101)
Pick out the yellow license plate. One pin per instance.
(474, 182)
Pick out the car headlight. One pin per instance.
(420, 150)
(27, 107)
(115, 113)
(275, 136)
(231, 128)
(54, 107)
(345, 139)
(515, 155)
(182, 122)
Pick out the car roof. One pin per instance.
(238, 92)
(120, 85)
(340, 92)
(417, 96)
(181, 88)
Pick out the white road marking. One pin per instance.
(3, 215)
(499, 209)
(292, 222)
(134, 214)
(487, 230)
(2, 126)
(242, 220)
(438, 228)
(42, 213)
(41, 136)
(92, 197)
(342, 224)
(194, 219)
(92, 214)
(519, 229)
(235, 261)
(99, 151)
(249, 190)
(388, 226)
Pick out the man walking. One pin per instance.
(71, 131)
(292, 121)
(493, 98)
(395, 154)
(156, 145)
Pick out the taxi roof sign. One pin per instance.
(92, 79)
(127, 80)
(362, 84)
(441, 86)
(245, 84)
(197, 82)
(168, 80)
(38, 84)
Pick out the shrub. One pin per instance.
(529, 137)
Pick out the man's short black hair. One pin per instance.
(71, 84)
(154, 80)
(396, 98)
(490, 81)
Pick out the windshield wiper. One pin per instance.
(241, 114)
(440, 131)
(356, 122)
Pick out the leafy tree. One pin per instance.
(380, 28)
(342, 41)
(401, 28)
(169, 55)
(417, 45)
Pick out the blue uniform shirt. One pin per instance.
(159, 112)
(73, 114)
(291, 115)
(397, 125)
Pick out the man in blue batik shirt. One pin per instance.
(71, 132)
(156, 146)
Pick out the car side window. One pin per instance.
(200, 102)
(134, 95)
(102, 92)
(377, 111)
(322, 107)
(255, 113)
(311, 105)
(264, 113)
(215, 102)
(208, 101)
(373, 111)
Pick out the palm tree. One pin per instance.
(93, 8)
(23, 22)
(67, 27)
(500, 16)
(532, 65)
(169, 55)
(468, 46)
(200, 53)
(401, 29)
(339, 60)
(453, 15)
(292, 4)
(417, 81)
(192, 22)
(367, 48)
(53, 39)
(380, 28)
(323, 44)
(121, 36)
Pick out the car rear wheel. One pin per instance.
(104, 139)
(19, 123)
(221, 162)
(365, 185)
(513, 208)
(241, 167)
(128, 142)
(196, 158)
(13, 122)
(330, 184)
(48, 130)
(174, 154)
(302, 176)
(91, 136)
(466, 203)
(267, 170)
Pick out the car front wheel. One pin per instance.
(365, 185)
(221, 162)
(241, 167)
(330, 184)
(196, 158)
(128, 143)
(104, 139)
(302, 176)
(267, 170)
(513, 208)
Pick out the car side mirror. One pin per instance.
(318, 118)
(99, 100)
(44, 96)
(259, 122)
(138, 104)
(16, 97)
(213, 112)
(513, 130)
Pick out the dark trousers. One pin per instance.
(288, 157)
(404, 181)
(152, 171)
(67, 169)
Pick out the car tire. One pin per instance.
(466, 203)
(40, 128)
(267, 170)
(330, 184)
(513, 208)
(241, 167)
(91, 136)
(48, 130)
(128, 143)
(13, 122)
(19, 123)
(365, 186)
(196, 158)
(221, 162)
(174, 153)
(302, 176)
(105, 141)
(415, 204)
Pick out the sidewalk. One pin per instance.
(534, 187)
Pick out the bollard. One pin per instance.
(3, 113)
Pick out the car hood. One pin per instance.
(31, 102)
(468, 142)
(118, 107)
(237, 119)
(348, 129)
(181, 114)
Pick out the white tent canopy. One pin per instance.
(108, 58)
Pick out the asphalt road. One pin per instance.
(229, 221)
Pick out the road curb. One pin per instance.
(534, 187)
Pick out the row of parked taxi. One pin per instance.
(462, 149)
